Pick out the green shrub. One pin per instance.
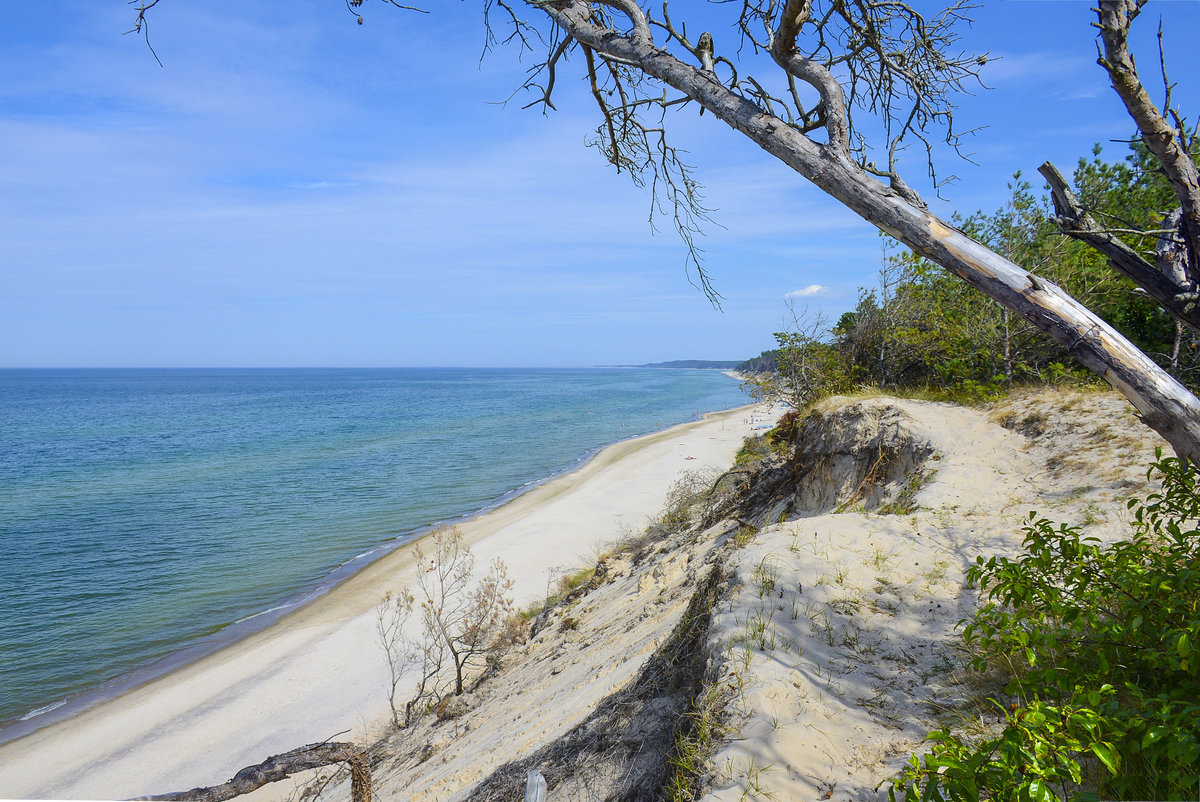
(1104, 645)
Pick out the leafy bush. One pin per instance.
(1104, 645)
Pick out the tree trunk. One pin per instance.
(1162, 402)
(1175, 346)
(1008, 360)
(1167, 143)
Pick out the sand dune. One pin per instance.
(831, 650)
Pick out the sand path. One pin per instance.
(319, 672)
(841, 638)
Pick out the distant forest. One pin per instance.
(763, 363)
(704, 364)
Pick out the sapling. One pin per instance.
(460, 624)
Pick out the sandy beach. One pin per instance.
(832, 645)
(829, 654)
(319, 671)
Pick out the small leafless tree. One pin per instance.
(459, 624)
(404, 653)
(808, 365)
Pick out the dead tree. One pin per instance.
(827, 61)
(1172, 275)
(830, 61)
(460, 622)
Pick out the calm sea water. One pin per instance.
(146, 511)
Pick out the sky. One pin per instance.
(290, 188)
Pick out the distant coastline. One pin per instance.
(688, 364)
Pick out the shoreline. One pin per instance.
(61, 710)
(199, 722)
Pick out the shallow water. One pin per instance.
(143, 511)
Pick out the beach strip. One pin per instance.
(319, 672)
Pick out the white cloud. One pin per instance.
(807, 292)
(1038, 67)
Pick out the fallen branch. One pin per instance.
(725, 475)
(282, 766)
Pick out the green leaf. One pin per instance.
(1182, 646)
(1107, 755)
(1040, 791)
(1154, 735)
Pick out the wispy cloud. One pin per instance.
(807, 292)
(1040, 67)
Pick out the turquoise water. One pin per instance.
(146, 511)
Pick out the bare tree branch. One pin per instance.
(1169, 287)
(786, 54)
(282, 766)
(1162, 139)
(142, 25)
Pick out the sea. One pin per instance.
(148, 517)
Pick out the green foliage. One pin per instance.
(1104, 644)
(810, 369)
(787, 429)
(753, 451)
(763, 363)
(906, 500)
(922, 329)
(1032, 759)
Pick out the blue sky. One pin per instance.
(293, 189)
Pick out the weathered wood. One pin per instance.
(535, 787)
(1162, 402)
(1171, 252)
(1165, 283)
(1161, 138)
(280, 767)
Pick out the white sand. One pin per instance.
(841, 638)
(319, 671)
(834, 640)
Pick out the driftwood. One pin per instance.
(535, 787)
(282, 766)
